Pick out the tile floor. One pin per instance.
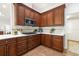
(44, 51)
(73, 46)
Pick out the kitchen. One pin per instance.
(24, 29)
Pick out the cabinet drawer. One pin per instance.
(2, 42)
(21, 43)
(21, 38)
(11, 40)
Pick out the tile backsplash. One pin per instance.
(26, 28)
(58, 29)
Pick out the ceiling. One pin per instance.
(42, 7)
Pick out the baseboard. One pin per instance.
(74, 41)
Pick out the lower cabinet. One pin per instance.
(46, 40)
(2, 50)
(42, 39)
(52, 41)
(57, 43)
(21, 45)
(8, 47)
(11, 49)
(33, 41)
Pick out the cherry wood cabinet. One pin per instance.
(22, 12)
(37, 19)
(7, 47)
(32, 15)
(21, 45)
(53, 17)
(19, 11)
(11, 47)
(59, 15)
(46, 40)
(36, 40)
(2, 48)
(33, 41)
(52, 41)
(50, 18)
(42, 39)
(57, 43)
(27, 13)
(43, 20)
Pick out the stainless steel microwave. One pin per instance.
(29, 22)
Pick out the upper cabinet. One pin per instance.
(44, 20)
(37, 18)
(19, 11)
(50, 18)
(27, 13)
(59, 15)
(22, 12)
(54, 17)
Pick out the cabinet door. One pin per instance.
(44, 20)
(48, 39)
(50, 18)
(11, 49)
(36, 39)
(27, 13)
(21, 45)
(59, 16)
(2, 50)
(43, 39)
(32, 15)
(30, 42)
(57, 43)
(20, 15)
(37, 19)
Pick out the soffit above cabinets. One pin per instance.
(42, 7)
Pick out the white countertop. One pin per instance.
(12, 36)
(59, 34)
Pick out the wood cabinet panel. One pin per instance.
(37, 19)
(33, 41)
(42, 39)
(27, 13)
(48, 40)
(30, 42)
(21, 45)
(11, 49)
(50, 18)
(53, 17)
(44, 20)
(57, 43)
(32, 15)
(20, 15)
(59, 16)
(2, 50)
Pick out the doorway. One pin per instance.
(73, 35)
